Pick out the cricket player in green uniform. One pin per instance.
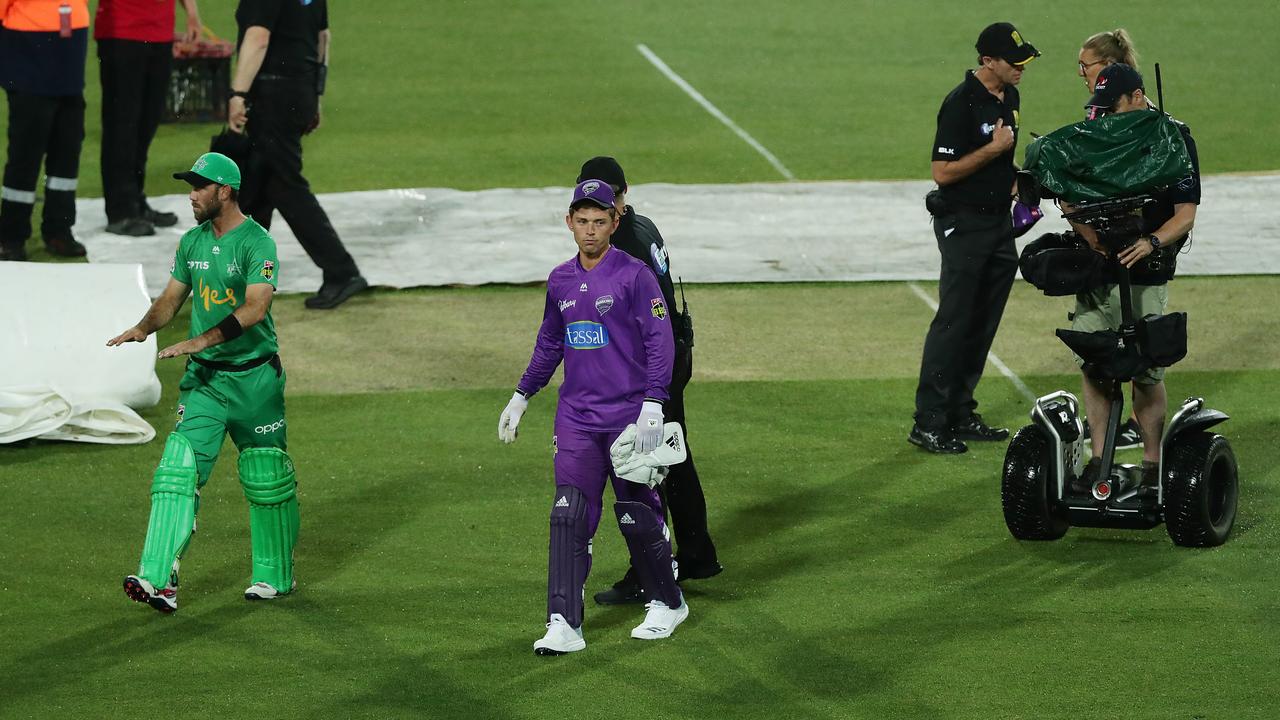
(234, 384)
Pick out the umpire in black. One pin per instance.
(973, 166)
(682, 493)
(275, 99)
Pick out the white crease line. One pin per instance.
(715, 112)
(1004, 369)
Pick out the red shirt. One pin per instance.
(143, 20)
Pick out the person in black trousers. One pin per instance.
(275, 100)
(135, 54)
(681, 492)
(973, 154)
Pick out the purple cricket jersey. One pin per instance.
(611, 328)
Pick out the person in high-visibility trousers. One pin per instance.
(43, 45)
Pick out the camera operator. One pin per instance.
(1166, 226)
(1097, 52)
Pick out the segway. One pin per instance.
(1198, 486)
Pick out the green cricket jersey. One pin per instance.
(218, 270)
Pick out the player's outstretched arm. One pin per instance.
(256, 303)
(159, 315)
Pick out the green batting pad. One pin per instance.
(269, 483)
(173, 511)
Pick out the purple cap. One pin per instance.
(596, 192)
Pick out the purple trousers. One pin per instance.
(582, 464)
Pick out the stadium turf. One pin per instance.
(864, 578)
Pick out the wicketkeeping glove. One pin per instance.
(509, 423)
(647, 468)
(649, 427)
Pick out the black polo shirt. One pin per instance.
(295, 25)
(966, 122)
(638, 237)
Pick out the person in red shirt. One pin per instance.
(135, 52)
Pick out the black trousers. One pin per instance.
(49, 130)
(682, 493)
(978, 265)
(135, 78)
(280, 112)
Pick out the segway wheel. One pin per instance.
(1201, 488)
(1026, 490)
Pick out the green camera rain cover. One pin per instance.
(1112, 157)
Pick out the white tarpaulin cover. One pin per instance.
(58, 380)
(756, 232)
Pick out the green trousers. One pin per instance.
(249, 405)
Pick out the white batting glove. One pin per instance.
(509, 423)
(649, 427)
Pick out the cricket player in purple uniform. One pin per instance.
(606, 319)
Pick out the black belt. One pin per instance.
(982, 209)
(273, 358)
(276, 77)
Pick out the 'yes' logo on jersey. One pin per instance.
(212, 297)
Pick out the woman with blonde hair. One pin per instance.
(1103, 49)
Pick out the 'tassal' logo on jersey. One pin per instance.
(586, 335)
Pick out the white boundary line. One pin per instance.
(715, 112)
(1004, 369)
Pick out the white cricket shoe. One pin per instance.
(560, 638)
(264, 591)
(163, 599)
(661, 620)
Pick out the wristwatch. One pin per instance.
(239, 94)
(1155, 242)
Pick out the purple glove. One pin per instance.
(1025, 216)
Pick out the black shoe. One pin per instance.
(132, 227)
(1083, 485)
(331, 295)
(15, 253)
(940, 441)
(626, 591)
(975, 429)
(157, 218)
(700, 570)
(1130, 435)
(64, 246)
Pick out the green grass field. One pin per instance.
(864, 578)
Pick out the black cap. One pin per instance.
(603, 167)
(1114, 82)
(1002, 40)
